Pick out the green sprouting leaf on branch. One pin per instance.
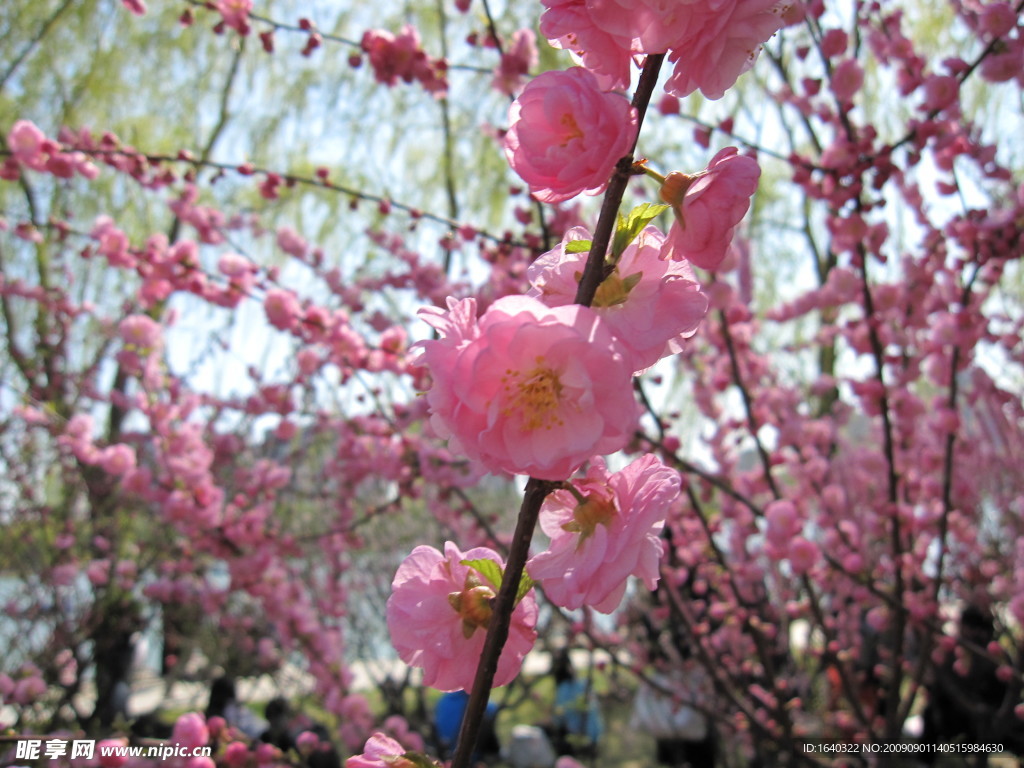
(628, 227)
(525, 585)
(495, 574)
(490, 570)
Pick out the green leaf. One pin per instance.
(629, 283)
(525, 585)
(629, 227)
(494, 573)
(578, 246)
(418, 760)
(644, 214)
(489, 569)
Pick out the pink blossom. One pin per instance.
(236, 267)
(138, 7)
(708, 206)
(28, 144)
(140, 332)
(28, 688)
(438, 613)
(803, 555)
(118, 459)
(834, 42)
(401, 57)
(306, 742)
(236, 754)
(266, 753)
(516, 62)
(528, 389)
(292, 243)
(721, 43)
(940, 91)
(568, 24)
(847, 80)
(1005, 63)
(651, 304)
(652, 26)
(381, 751)
(566, 134)
(398, 727)
(235, 14)
(191, 731)
(392, 57)
(781, 525)
(613, 533)
(107, 750)
(282, 308)
(996, 19)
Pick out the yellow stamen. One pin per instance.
(595, 510)
(534, 396)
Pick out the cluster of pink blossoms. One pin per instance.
(540, 385)
(565, 136)
(603, 529)
(711, 42)
(401, 57)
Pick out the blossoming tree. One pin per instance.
(733, 287)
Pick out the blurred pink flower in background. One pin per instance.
(190, 730)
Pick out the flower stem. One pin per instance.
(594, 273)
(653, 174)
(501, 618)
(576, 494)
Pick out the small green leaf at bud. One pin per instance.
(628, 228)
(488, 569)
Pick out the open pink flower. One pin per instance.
(28, 145)
(651, 304)
(438, 614)
(568, 24)
(708, 206)
(381, 751)
(141, 332)
(190, 730)
(613, 533)
(653, 26)
(528, 389)
(566, 134)
(722, 42)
